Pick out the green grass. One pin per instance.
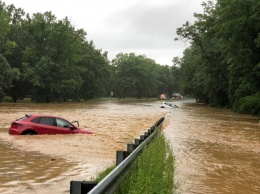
(104, 173)
(152, 172)
(9, 99)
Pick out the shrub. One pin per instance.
(250, 105)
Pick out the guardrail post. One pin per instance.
(138, 141)
(120, 156)
(142, 137)
(81, 187)
(152, 129)
(131, 147)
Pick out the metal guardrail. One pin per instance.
(110, 183)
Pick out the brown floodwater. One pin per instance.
(216, 150)
(47, 163)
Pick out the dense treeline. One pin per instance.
(49, 60)
(222, 65)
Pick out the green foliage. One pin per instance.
(221, 65)
(7, 74)
(49, 56)
(167, 83)
(56, 61)
(241, 52)
(135, 75)
(4, 25)
(101, 175)
(250, 105)
(95, 72)
(152, 172)
(204, 75)
(6, 45)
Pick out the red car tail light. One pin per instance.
(16, 125)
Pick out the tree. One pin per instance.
(175, 71)
(135, 75)
(166, 80)
(238, 29)
(50, 58)
(7, 74)
(210, 78)
(20, 86)
(224, 54)
(95, 71)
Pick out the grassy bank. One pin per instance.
(152, 172)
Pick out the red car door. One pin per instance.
(45, 125)
(63, 126)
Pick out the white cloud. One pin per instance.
(145, 27)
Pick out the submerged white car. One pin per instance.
(168, 105)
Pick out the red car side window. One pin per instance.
(36, 120)
(62, 123)
(47, 121)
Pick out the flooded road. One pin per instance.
(47, 163)
(216, 150)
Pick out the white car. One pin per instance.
(168, 105)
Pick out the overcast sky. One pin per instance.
(143, 27)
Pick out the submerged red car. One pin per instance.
(37, 124)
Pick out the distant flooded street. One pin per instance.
(216, 150)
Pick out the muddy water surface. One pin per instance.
(216, 150)
(47, 163)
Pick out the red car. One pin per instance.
(43, 124)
